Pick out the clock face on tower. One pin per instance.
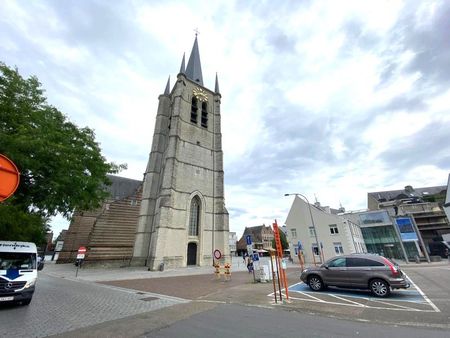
(200, 94)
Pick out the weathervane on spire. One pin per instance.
(197, 32)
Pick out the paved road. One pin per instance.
(234, 321)
(61, 305)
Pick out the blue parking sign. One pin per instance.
(248, 238)
(255, 257)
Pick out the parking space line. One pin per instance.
(423, 294)
(400, 306)
(310, 296)
(348, 300)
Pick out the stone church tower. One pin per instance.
(183, 218)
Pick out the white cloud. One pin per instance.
(329, 70)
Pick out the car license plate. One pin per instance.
(6, 299)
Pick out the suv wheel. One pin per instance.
(315, 283)
(379, 288)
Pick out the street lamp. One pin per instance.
(312, 221)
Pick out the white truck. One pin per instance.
(18, 271)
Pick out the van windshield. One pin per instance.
(17, 260)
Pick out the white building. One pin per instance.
(335, 234)
(232, 243)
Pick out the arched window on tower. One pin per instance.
(194, 219)
(204, 115)
(194, 109)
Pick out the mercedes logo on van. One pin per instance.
(9, 285)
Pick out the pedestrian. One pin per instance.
(250, 265)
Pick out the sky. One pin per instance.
(330, 99)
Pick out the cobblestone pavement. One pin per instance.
(61, 305)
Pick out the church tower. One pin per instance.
(183, 218)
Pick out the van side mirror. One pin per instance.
(40, 266)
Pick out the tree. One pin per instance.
(61, 165)
(284, 242)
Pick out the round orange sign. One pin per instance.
(9, 177)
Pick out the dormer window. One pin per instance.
(204, 115)
(194, 109)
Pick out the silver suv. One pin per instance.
(357, 271)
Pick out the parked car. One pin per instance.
(358, 271)
(440, 248)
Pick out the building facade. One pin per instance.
(424, 205)
(232, 242)
(183, 218)
(262, 237)
(322, 237)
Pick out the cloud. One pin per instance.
(322, 98)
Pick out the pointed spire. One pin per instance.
(183, 67)
(194, 67)
(216, 89)
(167, 91)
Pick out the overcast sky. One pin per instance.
(331, 99)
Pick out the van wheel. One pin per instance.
(379, 288)
(315, 283)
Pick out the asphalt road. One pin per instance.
(210, 307)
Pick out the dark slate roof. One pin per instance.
(194, 67)
(392, 195)
(122, 187)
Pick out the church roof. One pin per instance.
(194, 67)
(122, 187)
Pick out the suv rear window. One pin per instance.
(356, 262)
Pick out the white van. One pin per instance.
(18, 271)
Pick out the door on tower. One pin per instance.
(192, 254)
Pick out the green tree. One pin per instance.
(283, 239)
(61, 166)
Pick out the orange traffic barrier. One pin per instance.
(224, 271)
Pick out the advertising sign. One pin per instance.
(407, 233)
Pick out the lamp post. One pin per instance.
(312, 221)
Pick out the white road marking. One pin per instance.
(394, 307)
(423, 294)
(348, 300)
(400, 306)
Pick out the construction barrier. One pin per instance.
(223, 270)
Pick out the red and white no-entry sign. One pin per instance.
(81, 252)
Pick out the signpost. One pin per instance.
(80, 257)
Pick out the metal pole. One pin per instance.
(273, 278)
(312, 221)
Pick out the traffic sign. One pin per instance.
(248, 238)
(9, 177)
(82, 250)
(80, 256)
(255, 257)
(249, 249)
(217, 254)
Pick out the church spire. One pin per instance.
(167, 91)
(216, 89)
(194, 68)
(183, 67)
